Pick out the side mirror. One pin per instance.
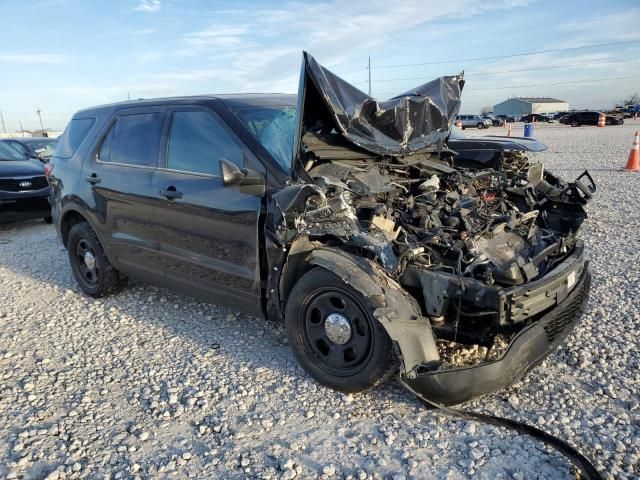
(234, 175)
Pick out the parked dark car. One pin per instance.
(355, 228)
(507, 118)
(495, 121)
(578, 119)
(24, 192)
(537, 117)
(33, 147)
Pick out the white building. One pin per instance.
(518, 106)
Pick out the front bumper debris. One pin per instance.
(526, 350)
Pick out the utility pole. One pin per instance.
(21, 129)
(39, 112)
(369, 68)
(2, 118)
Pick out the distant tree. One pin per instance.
(631, 100)
(484, 110)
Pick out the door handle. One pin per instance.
(93, 179)
(171, 193)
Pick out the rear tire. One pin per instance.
(48, 220)
(89, 264)
(334, 335)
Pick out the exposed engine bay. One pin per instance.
(420, 214)
(490, 225)
(461, 242)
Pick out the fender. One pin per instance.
(395, 309)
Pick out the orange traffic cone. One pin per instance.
(601, 120)
(633, 164)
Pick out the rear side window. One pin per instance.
(133, 140)
(198, 141)
(73, 136)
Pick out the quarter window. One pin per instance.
(73, 136)
(133, 140)
(198, 141)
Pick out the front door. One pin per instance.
(207, 232)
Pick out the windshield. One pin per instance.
(274, 127)
(9, 153)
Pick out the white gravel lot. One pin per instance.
(152, 384)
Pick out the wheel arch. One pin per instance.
(68, 219)
(395, 309)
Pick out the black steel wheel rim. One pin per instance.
(91, 276)
(337, 359)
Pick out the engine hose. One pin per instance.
(586, 470)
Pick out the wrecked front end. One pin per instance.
(476, 273)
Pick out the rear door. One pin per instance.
(207, 233)
(121, 175)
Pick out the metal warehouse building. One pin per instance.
(519, 106)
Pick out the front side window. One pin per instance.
(198, 141)
(133, 140)
(274, 127)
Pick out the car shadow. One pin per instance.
(205, 323)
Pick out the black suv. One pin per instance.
(577, 119)
(354, 227)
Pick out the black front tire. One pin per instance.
(97, 282)
(481, 126)
(365, 361)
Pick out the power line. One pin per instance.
(495, 57)
(556, 83)
(532, 69)
(593, 80)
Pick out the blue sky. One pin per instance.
(64, 55)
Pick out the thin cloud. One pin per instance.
(621, 26)
(148, 6)
(269, 39)
(34, 58)
(217, 36)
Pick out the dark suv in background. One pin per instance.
(577, 119)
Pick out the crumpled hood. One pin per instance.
(415, 120)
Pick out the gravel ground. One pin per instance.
(152, 384)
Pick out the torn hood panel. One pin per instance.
(413, 121)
